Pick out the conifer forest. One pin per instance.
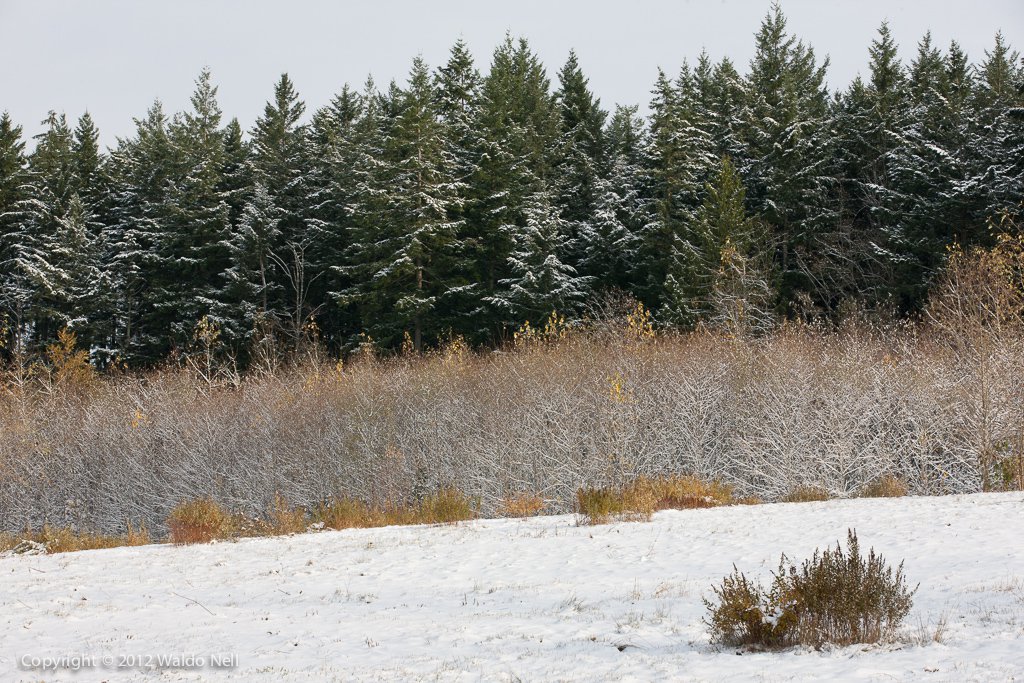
(474, 197)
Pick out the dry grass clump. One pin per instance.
(644, 496)
(806, 493)
(836, 597)
(686, 492)
(521, 505)
(599, 505)
(199, 521)
(51, 539)
(446, 506)
(285, 519)
(886, 486)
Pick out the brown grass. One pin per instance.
(639, 499)
(886, 486)
(687, 491)
(199, 521)
(446, 506)
(806, 493)
(285, 519)
(66, 540)
(521, 505)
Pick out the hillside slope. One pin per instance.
(538, 599)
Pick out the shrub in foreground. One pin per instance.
(835, 597)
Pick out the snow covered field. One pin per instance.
(538, 599)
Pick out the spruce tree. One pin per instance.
(458, 85)
(520, 126)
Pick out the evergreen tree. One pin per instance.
(581, 163)
(192, 240)
(787, 175)
(331, 186)
(139, 171)
(610, 240)
(409, 248)
(520, 126)
(999, 99)
(718, 255)
(279, 161)
(540, 283)
(12, 179)
(458, 85)
(678, 160)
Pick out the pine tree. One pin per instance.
(458, 85)
(331, 186)
(36, 287)
(999, 100)
(678, 160)
(611, 238)
(192, 240)
(520, 126)
(253, 289)
(718, 255)
(279, 160)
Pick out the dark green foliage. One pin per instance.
(462, 204)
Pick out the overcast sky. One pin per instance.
(113, 57)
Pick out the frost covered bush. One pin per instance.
(592, 411)
(835, 597)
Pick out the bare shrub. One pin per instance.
(564, 411)
(835, 597)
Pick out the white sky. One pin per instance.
(113, 57)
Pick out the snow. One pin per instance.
(537, 599)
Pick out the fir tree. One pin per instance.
(540, 283)
(411, 248)
(581, 163)
(787, 175)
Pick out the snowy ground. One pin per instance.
(539, 599)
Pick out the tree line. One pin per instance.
(464, 204)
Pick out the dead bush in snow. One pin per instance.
(835, 597)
